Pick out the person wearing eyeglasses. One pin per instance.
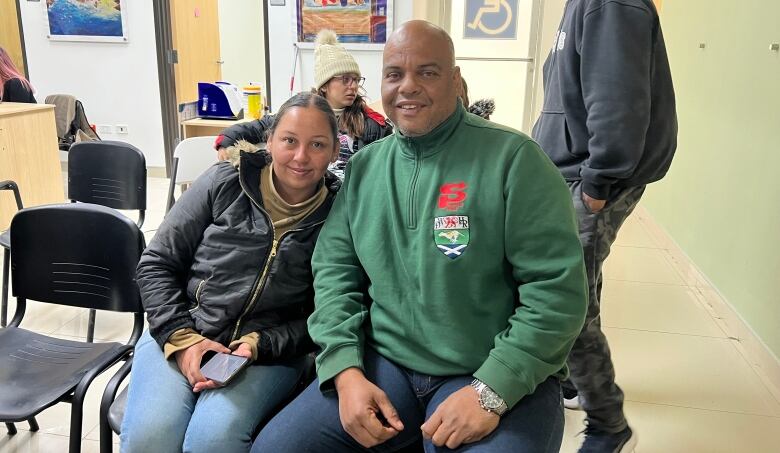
(337, 79)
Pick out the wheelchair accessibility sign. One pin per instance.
(490, 19)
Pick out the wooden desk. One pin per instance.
(201, 127)
(29, 156)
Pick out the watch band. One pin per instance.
(484, 391)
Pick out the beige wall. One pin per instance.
(721, 199)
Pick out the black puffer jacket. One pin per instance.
(204, 267)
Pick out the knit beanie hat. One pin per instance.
(331, 59)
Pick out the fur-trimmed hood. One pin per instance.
(234, 151)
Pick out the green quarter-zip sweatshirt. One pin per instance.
(454, 253)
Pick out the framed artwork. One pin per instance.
(87, 20)
(354, 21)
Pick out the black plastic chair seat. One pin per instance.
(5, 239)
(37, 371)
(117, 411)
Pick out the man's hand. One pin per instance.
(459, 420)
(593, 204)
(222, 154)
(365, 410)
(189, 363)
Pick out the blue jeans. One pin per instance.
(311, 422)
(164, 415)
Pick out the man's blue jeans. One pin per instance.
(311, 422)
(164, 415)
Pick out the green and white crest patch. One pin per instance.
(451, 234)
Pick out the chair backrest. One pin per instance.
(64, 111)
(195, 156)
(76, 254)
(108, 173)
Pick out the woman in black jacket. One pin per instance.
(337, 78)
(13, 86)
(229, 271)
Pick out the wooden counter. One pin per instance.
(202, 127)
(29, 156)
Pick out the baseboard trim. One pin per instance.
(763, 361)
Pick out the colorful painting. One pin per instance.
(354, 21)
(86, 20)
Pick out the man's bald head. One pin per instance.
(420, 81)
(424, 31)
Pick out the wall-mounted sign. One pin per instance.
(490, 19)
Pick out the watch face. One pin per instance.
(491, 399)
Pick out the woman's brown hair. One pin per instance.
(351, 120)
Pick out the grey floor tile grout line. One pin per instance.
(640, 281)
(722, 411)
(663, 332)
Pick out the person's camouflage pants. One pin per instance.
(590, 363)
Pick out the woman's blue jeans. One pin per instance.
(164, 415)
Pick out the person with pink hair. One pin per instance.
(14, 87)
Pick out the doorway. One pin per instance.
(11, 36)
(206, 41)
(495, 47)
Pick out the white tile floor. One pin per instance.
(688, 388)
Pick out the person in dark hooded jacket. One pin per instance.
(229, 270)
(337, 78)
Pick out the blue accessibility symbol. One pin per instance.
(490, 19)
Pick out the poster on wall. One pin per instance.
(354, 21)
(86, 20)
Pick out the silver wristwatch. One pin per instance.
(488, 399)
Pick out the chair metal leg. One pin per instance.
(91, 326)
(4, 306)
(33, 424)
(76, 421)
(106, 437)
(11, 428)
(172, 185)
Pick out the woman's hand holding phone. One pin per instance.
(243, 350)
(189, 361)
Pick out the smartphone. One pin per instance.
(223, 367)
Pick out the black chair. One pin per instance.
(5, 243)
(111, 174)
(79, 255)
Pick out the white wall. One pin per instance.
(116, 82)
(282, 37)
(241, 42)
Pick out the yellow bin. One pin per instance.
(253, 101)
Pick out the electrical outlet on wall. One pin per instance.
(105, 129)
(121, 129)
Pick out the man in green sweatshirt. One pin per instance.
(449, 281)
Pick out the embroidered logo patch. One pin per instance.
(451, 234)
(452, 196)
